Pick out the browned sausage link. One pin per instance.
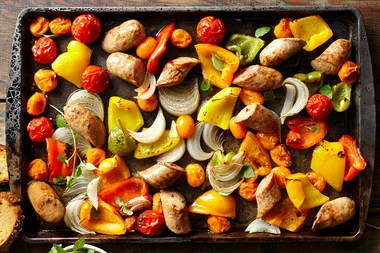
(259, 118)
(162, 175)
(330, 61)
(267, 195)
(175, 212)
(86, 124)
(175, 71)
(279, 50)
(334, 213)
(258, 78)
(126, 67)
(123, 37)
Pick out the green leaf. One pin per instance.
(217, 62)
(261, 31)
(79, 244)
(118, 201)
(69, 179)
(59, 180)
(57, 248)
(247, 171)
(269, 95)
(95, 214)
(60, 121)
(78, 172)
(314, 129)
(326, 90)
(206, 86)
(62, 159)
(125, 210)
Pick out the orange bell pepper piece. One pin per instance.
(221, 79)
(112, 170)
(125, 189)
(106, 220)
(354, 158)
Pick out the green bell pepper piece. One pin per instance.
(341, 96)
(245, 47)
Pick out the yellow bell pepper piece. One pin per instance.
(127, 112)
(164, 144)
(312, 197)
(230, 61)
(71, 64)
(329, 162)
(112, 170)
(312, 29)
(213, 203)
(218, 110)
(108, 222)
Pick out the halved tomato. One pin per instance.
(306, 132)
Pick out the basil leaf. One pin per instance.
(57, 248)
(60, 121)
(247, 171)
(269, 95)
(262, 31)
(78, 172)
(95, 214)
(62, 159)
(326, 90)
(217, 62)
(118, 201)
(314, 129)
(59, 180)
(79, 244)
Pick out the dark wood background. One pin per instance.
(370, 241)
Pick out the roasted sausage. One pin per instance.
(259, 118)
(279, 50)
(85, 123)
(330, 61)
(126, 67)
(334, 213)
(258, 78)
(162, 175)
(45, 202)
(123, 37)
(267, 195)
(175, 212)
(175, 71)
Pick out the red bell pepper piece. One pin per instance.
(162, 39)
(57, 168)
(354, 159)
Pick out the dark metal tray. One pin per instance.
(358, 121)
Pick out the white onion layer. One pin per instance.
(152, 88)
(91, 101)
(193, 144)
(65, 135)
(260, 226)
(300, 100)
(174, 154)
(72, 219)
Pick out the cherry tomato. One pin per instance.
(148, 105)
(95, 79)
(249, 96)
(248, 191)
(282, 30)
(86, 28)
(281, 155)
(151, 223)
(280, 173)
(185, 126)
(60, 25)
(44, 50)
(348, 72)
(211, 30)
(181, 38)
(95, 156)
(39, 129)
(305, 132)
(195, 175)
(269, 141)
(46, 80)
(39, 26)
(36, 104)
(319, 106)
(37, 170)
(146, 48)
(218, 224)
(316, 180)
(238, 130)
(354, 158)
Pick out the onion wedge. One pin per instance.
(92, 192)
(194, 144)
(65, 135)
(79, 184)
(300, 100)
(154, 132)
(289, 101)
(91, 101)
(180, 99)
(138, 203)
(213, 137)
(72, 219)
(145, 85)
(174, 154)
(152, 88)
(260, 226)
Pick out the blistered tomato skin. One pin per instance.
(95, 79)
(86, 28)
(151, 223)
(44, 50)
(46, 80)
(319, 106)
(39, 129)
(39, 26)
(211, 30)
(60, 25)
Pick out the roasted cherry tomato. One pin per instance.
(151, 223)
(354, 158)
(348, 72)
(185, 126)
(95, 156)
(281, 155)
(45, 79)
(248, 191)
(39, 129)
(238, 130)
(181, 38)
(282, 30)
(148, 105)
(211, 30)
(36, 104)
(269, 141)
(95, 79)
(195, 174)
(280, 173)
(319, 106)
(316, 180)
(44, 50)
(218, 224)
(146, 47)
(37, 170)
(305, 132)
(86, 28)
(39, 26)
(249, 96)
(60, 25)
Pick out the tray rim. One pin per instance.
(14, 130)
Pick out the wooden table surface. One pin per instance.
(369, 242)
